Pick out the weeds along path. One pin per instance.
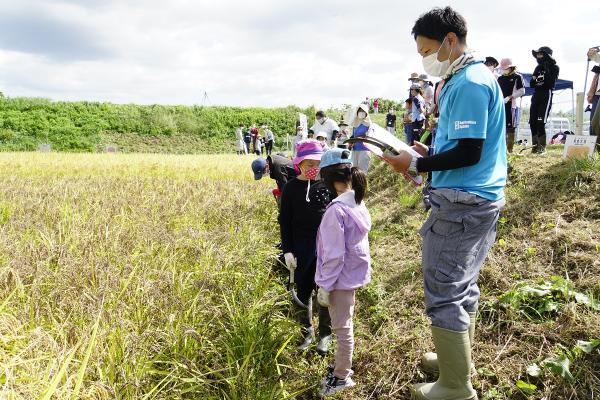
(137, 276)
(540, 286)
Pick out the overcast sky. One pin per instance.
(262, 52)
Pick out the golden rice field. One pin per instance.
(137, 277)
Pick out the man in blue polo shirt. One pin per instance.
(467, 193)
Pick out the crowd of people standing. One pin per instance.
(254, 140)
(324, 222)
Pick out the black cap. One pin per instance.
(320, 114)
(544, 49)
(491, 60)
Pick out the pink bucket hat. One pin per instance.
(506, 63)
(309, 149)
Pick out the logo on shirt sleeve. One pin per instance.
(463, 124)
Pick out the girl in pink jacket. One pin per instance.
(343, 260)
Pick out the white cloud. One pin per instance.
(265, 52)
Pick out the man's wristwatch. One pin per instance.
(412, 168)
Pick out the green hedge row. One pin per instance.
(78, 126)
(25, 123)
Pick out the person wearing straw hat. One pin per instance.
(512, 86)
(543, 80)
(303, 203)
(414, 80)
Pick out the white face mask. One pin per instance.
(435, 67)
(321, 120)
(362, 115)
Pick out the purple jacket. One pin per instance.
(343, 260)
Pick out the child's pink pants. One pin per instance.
(341, 309)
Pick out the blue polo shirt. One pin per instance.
(472, 107)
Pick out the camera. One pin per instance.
(596, 69)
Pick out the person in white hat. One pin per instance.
(239, 140)
(427, 87)
(361, 123)
(511, 83)
(322, 137)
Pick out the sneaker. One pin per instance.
(323, 346)
(335, 385)
(329, 375)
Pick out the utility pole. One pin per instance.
(205, 99)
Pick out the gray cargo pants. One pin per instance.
(457, 237)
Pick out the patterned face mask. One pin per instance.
(311, 173)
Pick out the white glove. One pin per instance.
(323, 297)
(290, 261)
(506, 99)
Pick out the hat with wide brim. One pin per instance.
(506, 63)
(308, 149)
(414, 77)
(544, 49)
(424, 78)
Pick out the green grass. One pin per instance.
(25, 123)
(146, 276)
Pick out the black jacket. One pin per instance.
(390, 120)
(298, 219)
(545, 75)
(281, 170)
